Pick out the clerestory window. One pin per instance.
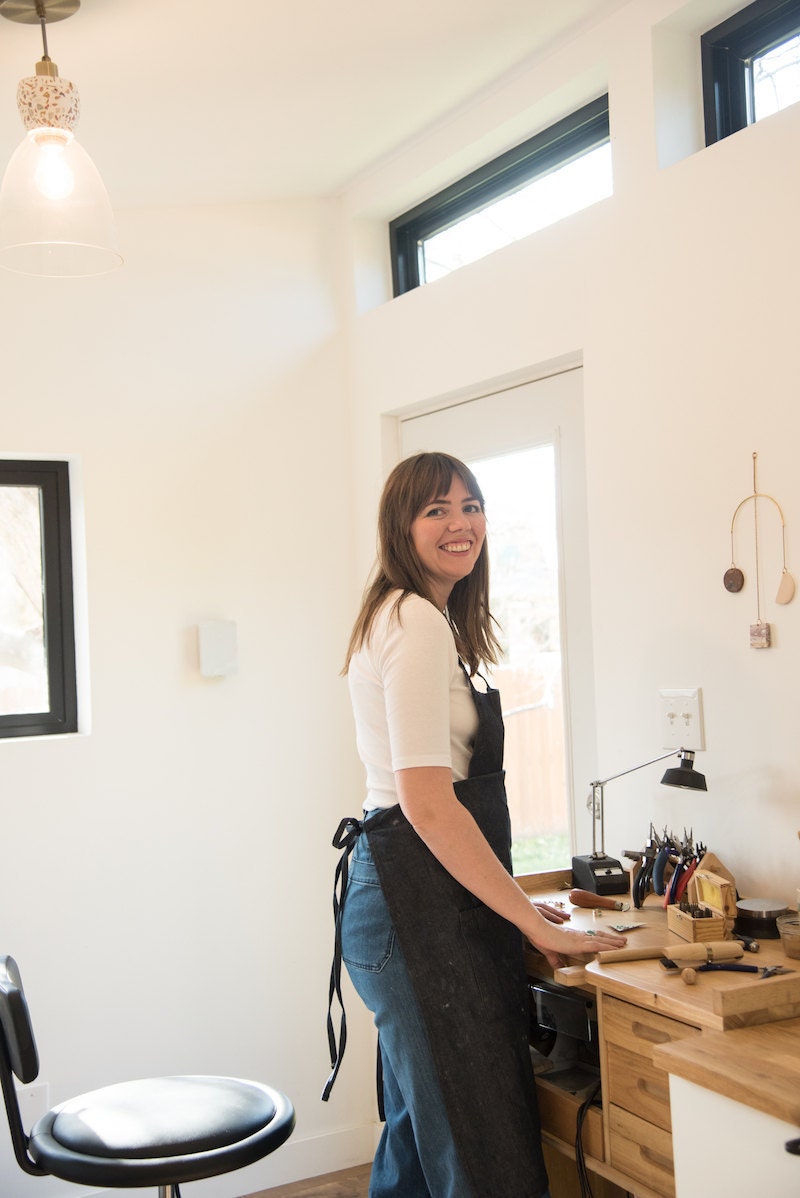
(751, 66)
(559, 171)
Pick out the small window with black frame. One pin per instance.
(561, 170)
(38, 685)
(751, 66)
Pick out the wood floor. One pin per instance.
(347, 1183)
(354, 1183)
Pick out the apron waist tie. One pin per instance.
(345, 839)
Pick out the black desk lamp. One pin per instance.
(603, 874)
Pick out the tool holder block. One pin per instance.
(717, 895)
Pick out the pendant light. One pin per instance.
(55, 214)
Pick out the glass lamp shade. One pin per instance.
(55, 214)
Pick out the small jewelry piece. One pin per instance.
(590, 932)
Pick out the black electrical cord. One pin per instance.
(583, 1172)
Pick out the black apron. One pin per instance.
(467, 968)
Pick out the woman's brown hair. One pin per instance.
(412, 485)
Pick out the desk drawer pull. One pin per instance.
(654, 1159)
(651, 1034)
(653, 1089)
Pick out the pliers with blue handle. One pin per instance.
(659, 867)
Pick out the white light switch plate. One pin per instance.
(682, 719)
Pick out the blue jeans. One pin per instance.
(416, 1156)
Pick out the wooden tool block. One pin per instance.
(696, 931)
(716, 894)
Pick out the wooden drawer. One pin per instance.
(641, 1151)
(638, 1030)
(558, 1112)
(635, 1084)
(636, 1092)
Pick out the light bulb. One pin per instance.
(53, 177)
(55, 215)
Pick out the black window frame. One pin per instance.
(52, 479)
(570, 138)
(726, 53)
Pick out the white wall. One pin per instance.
(679, 293)
(166, 880)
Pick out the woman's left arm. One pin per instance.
(430, 805)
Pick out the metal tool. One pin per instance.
(641, 885)
(728, 966)
(662, 860)
(689, 974)
(586, 898)
(751, 945)
(756, 917)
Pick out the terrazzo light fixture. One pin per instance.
(55, 214)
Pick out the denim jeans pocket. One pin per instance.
(367, 929)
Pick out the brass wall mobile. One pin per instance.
(760, 632)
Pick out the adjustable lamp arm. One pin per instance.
(604, 874)
(634, 768)
(596, 798)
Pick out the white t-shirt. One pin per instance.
(411, 699)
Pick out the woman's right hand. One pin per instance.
(430, 805)
(558, 944)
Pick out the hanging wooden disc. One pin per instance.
(733, 579)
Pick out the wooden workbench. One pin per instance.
(734, 1033)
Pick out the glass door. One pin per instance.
(525, 445)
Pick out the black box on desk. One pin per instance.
(599, 874)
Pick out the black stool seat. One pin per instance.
(157, 1131)
(160, 1130)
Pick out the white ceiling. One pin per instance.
(188, 101)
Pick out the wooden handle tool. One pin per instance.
(586, 898)
(690, 954)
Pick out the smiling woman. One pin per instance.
(448, 536)
(425, 875)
